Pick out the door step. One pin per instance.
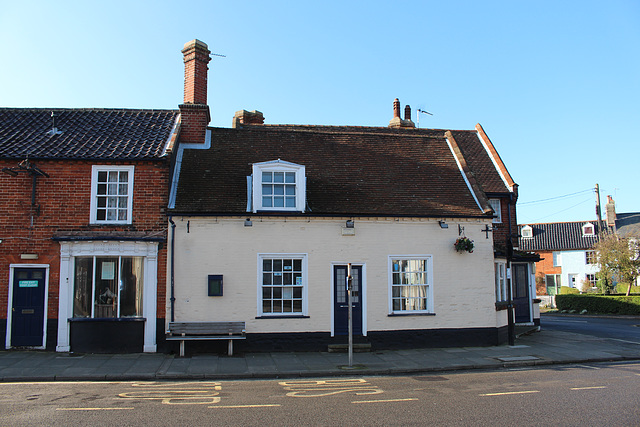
(344, 348)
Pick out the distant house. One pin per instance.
(274, 214)
(83, 227)
(567, 249)
(567, 253)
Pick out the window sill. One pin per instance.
(296, 316)
(409, 314)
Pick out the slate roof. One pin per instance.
(628, 224)
(350, 171)
(85, 134)
(558, 236)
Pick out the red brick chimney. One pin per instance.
(244, 117)
(194, 112)
(397, 121)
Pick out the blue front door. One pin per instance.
(341, 303)
(27, 310)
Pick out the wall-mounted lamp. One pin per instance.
(349, 223)
(443, 224)
(248, 223)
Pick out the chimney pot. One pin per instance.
(194, 112)
(396, 108)
(407, 112)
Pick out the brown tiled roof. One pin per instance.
(350, 171)
(474, 152)
(89, 133)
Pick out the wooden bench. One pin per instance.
(185, 331)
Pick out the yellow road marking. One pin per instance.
(588, 388)
(510, 392)
(383, 400)
(243, 406)
(91, 409)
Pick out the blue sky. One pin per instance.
(556, 85)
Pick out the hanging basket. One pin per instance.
(464, 244)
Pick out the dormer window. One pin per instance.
(588, 230)
(278, 186)
(526, 232)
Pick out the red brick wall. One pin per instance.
(64, 200)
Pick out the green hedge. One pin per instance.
(600, 304)
(566, 290)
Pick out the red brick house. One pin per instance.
(82, 227)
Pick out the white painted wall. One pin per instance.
(463, 290)
(575, 262)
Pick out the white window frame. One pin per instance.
(593, 258)
(278, 166)
(496, 205)
(527, 232)
(95, 169)
(305, 274)
(585, 230)
(429, 285)
(557, 258)
(500, 280)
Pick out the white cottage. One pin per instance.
(264, 220)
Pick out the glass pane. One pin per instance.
(287, 264)
(122, 202)
(122, 189)
(111, 214)
(131, 286)
(266, 293)
(290, 190)
(266, 265)
(297, 306)
(266, 279)
(112, 189)
(266, 306)
(277, 293)
(278, 177)
(278, 190)
(106, 290)
(290, 202)
(102, 202)
(83, 280)
(101, 215)
(124, 176)
(277, 265)
(287, 279)
(112, 202)
(102, 189)
(267, 177)
(122, 215)
(297, 265)
(287, 293)
(266, 202)
(297, 293)
(113, 176)
(278, 201)
(290, 177)
(102, 176)
(277, 306)
(267, 189)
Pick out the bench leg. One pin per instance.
(182, 348)
(230, 349)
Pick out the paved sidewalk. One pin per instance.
(538, 348)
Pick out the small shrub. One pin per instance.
(566, 290)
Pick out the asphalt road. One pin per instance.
(618, 328)
(585, 395)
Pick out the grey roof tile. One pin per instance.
(87, 133)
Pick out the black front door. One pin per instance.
(521, 298)
(27, 311)
(341, 303)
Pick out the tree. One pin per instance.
(619, 259)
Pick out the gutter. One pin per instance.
(171, 267)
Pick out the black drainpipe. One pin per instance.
(171, 274)
(510, 313)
